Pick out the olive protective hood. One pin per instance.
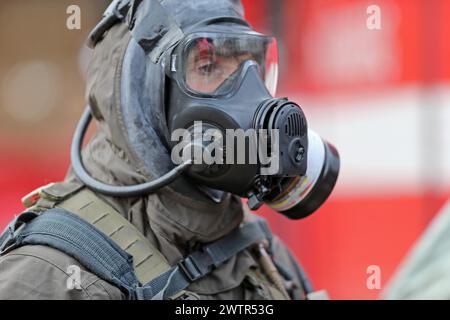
(300, 170)
(126, 92)
(133, 93)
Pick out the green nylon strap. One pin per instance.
(147, 260)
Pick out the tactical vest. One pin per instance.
(72, 219)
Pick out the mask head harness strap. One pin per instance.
(115, 13)
(153, 29)
(149, 23)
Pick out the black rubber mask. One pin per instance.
(240, 138)
(223, 77)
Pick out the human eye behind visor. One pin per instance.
(211, 61)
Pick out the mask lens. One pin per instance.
(211, 62)
(271, 67)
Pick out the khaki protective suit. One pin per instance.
(425, 273)
(176, 220)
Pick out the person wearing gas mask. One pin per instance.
(139, 215)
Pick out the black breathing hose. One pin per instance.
(110, 190)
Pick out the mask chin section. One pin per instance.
(294, 172)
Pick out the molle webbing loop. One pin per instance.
(148, 262)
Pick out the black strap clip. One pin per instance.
(10, 240)
(190, 269)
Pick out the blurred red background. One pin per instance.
(381, 96)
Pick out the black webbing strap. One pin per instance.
(62, 230)
(201, 263)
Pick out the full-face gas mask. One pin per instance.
(240, 138)
(226, 131)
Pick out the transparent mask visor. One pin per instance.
(212, 61)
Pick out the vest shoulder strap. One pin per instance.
(62, 230)
(148, 262)
(93, 232)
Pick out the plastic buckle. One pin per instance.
(139, 293)
(190, 269)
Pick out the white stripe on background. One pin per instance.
(392, 142)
